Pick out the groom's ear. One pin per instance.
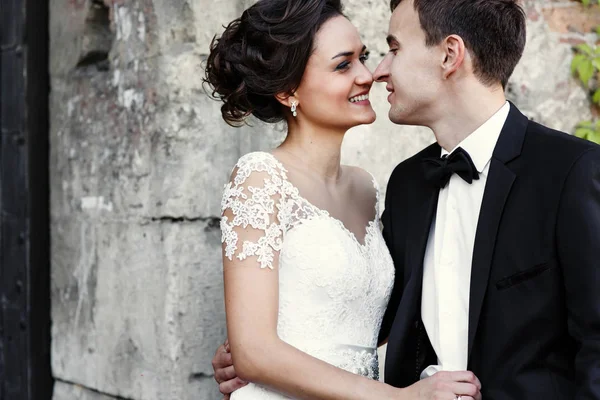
(454, 55)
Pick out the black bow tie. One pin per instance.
(439, 170)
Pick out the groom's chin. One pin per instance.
(398, 115)
(394, 117)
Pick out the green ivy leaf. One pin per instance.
(584, 133)
(596, 63)
(585, 124)
(584, 48)
(586, 2)
(594, 137)
(596, 97)
(585, 70)
(598, 30)
(578, 59)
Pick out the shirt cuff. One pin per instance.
(430, 371)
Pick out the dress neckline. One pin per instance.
(323, 212)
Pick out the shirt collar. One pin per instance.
(481, 143)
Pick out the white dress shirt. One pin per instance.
(449, 253)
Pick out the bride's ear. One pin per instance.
(453, 52)
(286, 99)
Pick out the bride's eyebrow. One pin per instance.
(348, 53)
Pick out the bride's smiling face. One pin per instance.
(335, 86)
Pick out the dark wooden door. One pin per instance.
(24, 202)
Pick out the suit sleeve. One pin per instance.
(578, 240)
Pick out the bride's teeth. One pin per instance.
(359, 98)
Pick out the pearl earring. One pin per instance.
(293, 108)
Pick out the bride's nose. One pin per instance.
(364, 77)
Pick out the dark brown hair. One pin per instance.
(493, 31)
(264, 53)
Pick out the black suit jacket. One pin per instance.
(534, 311)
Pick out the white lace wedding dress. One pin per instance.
(333, 290)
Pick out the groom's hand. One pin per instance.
(448, 385)
(224, 372)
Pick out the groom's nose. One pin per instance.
(382, 71)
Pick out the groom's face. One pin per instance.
(412, 71)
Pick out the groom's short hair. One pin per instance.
(493, 31)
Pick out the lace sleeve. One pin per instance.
(250, 209)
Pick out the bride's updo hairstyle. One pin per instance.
(264, 53)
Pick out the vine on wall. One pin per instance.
(586, 67)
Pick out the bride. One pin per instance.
(307, 272)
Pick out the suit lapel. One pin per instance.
(423, 217)
(414, 218)
(423, 209)
(499, 183)
(498, 187)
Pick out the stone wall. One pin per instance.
(139, 156)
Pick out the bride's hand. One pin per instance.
(446, 385)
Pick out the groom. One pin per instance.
(496, 245)
(495, 229)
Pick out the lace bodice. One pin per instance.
(333, 290)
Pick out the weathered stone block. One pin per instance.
(67, 391)
(542, 86)
(572, 17)
(137, 309)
